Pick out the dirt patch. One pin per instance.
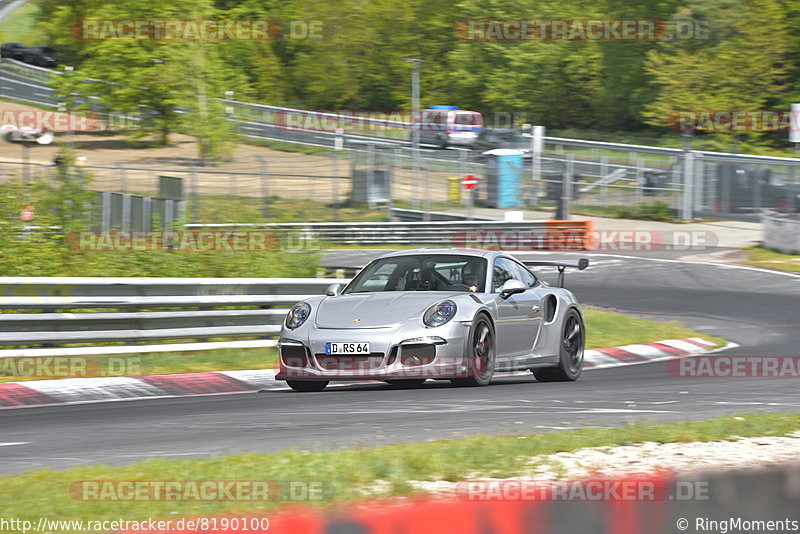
(253, 171)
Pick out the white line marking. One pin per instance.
(665, 260)
(11, 443)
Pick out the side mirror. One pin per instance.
(512, 287)
(333, 290)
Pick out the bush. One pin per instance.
(64, 205)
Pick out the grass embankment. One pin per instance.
(769, 259)
(347, 474)
(604, 329)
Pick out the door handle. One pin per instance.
(536, 307)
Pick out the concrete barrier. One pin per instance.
(782, 232)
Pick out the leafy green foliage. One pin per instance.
(647, 211)
(749, 60)
(64, 205)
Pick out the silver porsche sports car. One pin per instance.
(453, 314)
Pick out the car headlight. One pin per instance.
(297, 315)
(440, 313)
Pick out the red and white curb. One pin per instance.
(645, 352)
(104, 389)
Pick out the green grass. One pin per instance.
(610, 329)
(236, 209)
(769, 259)
(346, 473)
(284, 146)
(603, 329)
(655, 211)
(162, 363)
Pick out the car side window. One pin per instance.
(503, 270)
(524, 275)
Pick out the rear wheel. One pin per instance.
(412, 383)
(307, 385)
(570, 358)
(481, 355)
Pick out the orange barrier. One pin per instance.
(569, 235)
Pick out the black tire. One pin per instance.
(307, 385)
(482, 353)
(570, 358)
(410, 383)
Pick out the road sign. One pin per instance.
(27, 213)
(470, 181)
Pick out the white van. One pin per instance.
(443, 126)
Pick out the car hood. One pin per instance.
(382, 308)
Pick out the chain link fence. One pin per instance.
(360, 184)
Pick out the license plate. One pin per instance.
(346, 348)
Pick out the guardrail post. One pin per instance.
(123, 178)
(699, 183)
(564, 206)
(639, 179)
(126, 212)
(147, 214)
(335, 187)
(537, 148)
(105, 211)
(688, 185)
(264, 187)
(426, 202)
(370, 175)
(194, 194)
(388, 167)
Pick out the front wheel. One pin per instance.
(481, 355)
(307, 385)
(570, 358)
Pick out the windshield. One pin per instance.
(428, 272)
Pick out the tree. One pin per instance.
(169, 85)
(742, 66)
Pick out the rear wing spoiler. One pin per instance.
(579, 264)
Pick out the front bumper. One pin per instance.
(461, 138)
(396, 354)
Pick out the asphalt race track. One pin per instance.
(757, 309)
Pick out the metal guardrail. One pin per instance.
(62, 311)
(446, 233)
